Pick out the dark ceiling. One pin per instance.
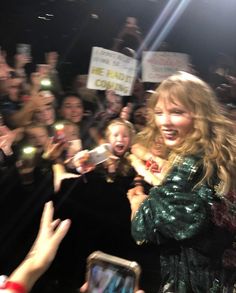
(72, 27)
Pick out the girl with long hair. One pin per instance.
(178, 214)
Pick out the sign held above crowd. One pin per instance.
(111, 70)
(157, 66)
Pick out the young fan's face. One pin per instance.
(174, 121)
(45, 115)
(119, 139)
(38, 137)
(72, 109)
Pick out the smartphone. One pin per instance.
(27, 156)
(108, 273)
(99, 154)
(59, 133)
(46, 84)
(24, 49)
(26, 164)
(28, 152)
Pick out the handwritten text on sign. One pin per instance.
(111, 70)
(157, 66)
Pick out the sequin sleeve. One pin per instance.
(174, 210)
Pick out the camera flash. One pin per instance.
(59, 126)
(46, 82)
(28, 150)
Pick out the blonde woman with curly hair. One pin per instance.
(200, 173)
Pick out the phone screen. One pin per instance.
(59, 133)
(107, 277)
(99, 154)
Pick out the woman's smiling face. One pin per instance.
(72, 109)
(174, 120)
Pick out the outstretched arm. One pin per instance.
(41, 254)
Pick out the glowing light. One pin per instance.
(46, 82)
(170, 23)
(168, 9)
(59, 126)
(29, 150)
(170, 14)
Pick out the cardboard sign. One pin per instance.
(111, 70)
(157, 66)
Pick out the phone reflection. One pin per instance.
(107, 278)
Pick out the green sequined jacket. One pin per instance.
(177, 217)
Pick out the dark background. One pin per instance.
(205, 29)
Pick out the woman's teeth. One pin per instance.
(170, 133)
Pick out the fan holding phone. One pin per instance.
(119, 134)
(85, 160)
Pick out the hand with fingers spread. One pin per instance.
(50, 235)
(42, 253)
(54, 150)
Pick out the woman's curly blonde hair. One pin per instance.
(213, 136)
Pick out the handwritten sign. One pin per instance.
(111, 70)
(157, 66)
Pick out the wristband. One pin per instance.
(15, 286)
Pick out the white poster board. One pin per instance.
(157, 66)
(111, 70)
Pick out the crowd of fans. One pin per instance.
(42, 128)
